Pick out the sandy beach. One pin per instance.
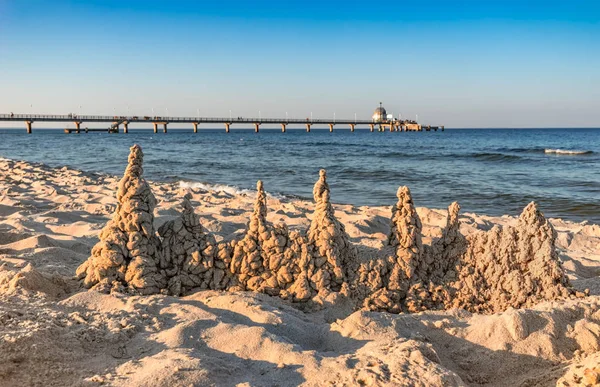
(55, 332)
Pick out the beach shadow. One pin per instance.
(373, 225)
(219, 367)
(580, 269)
(294, 327)
(172, 348)
(141, 360)
(478, 365)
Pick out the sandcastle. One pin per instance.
(266, 259)
(332, 256)
(487, 271)
(129, 252)
(511, 267)
(273, 260)
(390, 279)
(191, 254)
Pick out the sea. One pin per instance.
(488, 171)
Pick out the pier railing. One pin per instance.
(118, 120)
(173, 119)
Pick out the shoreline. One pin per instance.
(235, 190)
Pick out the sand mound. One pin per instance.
(10, 237)
(30, 280)
(29, 243)
(212, 338)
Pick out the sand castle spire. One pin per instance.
(321, 186)
(442, 255)
(264, 260)
(537, 248)
(391, 279)
(191, 253)
(134, 162)
(248, 260)
(258, 219)
(405, 235)
(129, 250)
(334, 257)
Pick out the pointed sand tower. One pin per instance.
(129, 250)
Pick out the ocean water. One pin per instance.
(488, 171)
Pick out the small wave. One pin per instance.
(232, 190)
(495, 157)
(522, 150)
(229, 189)
(567, 152)
(393, 155)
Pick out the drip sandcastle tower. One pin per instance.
(191, 254)
(334, 257)
(129, 250)
(265, 259)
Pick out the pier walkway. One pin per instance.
(115, 122)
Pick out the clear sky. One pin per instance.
(470, 63)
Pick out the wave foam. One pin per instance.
(231, 190)
(567, 152)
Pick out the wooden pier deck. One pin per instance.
(116, 122)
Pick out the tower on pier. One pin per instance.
(380, 115)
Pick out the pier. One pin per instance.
(120, 124)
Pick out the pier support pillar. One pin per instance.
(442, 128)
(331, 128)
(165, 127)
(77, 127)
(227, 124)
(28, 124)
(155, 127)
(195, 127)
(372, 127)
(283, 128)
(307, 128)
(391, 127)
(352, 127)
(256, 126)
(125, 127)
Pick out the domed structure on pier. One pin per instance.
(379, 115)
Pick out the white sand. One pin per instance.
(55, 333)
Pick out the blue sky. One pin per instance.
(461, 63)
